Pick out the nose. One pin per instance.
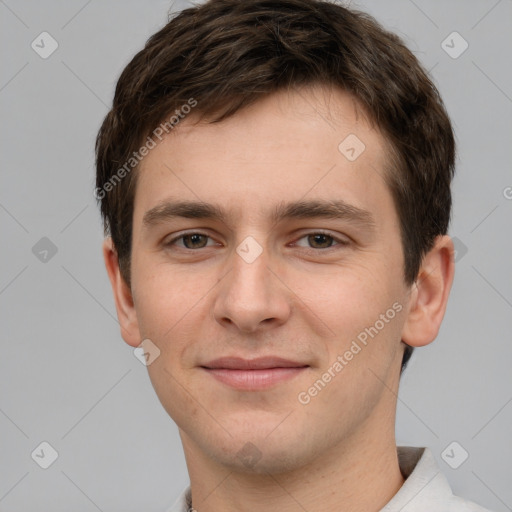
(251, 298)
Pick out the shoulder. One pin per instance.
(425, 489)
(458, 504)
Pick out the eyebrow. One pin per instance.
(329, 209)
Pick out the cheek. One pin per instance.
(168, 302)
(362, 307)
(347, 296)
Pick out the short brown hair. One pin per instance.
(227, 54)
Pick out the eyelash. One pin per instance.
(339, 241)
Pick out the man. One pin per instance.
(274, 179)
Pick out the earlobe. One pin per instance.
(123, 298)
(429, 296)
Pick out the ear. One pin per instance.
(122, 296)
(429, 294)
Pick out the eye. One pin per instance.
(193, 240)
(316, 240)
(321, 240)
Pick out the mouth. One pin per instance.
(253, 374)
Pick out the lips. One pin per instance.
(261, 363)
(253, 374)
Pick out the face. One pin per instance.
(278, 307)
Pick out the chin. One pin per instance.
(261, 454)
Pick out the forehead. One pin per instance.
(312, 142)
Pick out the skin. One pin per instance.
(297, 299)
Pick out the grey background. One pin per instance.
(67, 377)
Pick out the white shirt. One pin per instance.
(425, 488)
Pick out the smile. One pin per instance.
(253, 375)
